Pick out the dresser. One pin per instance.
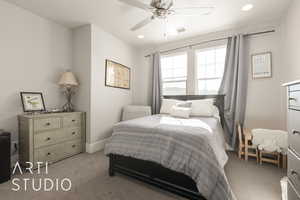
(293, 122)
(50, 137)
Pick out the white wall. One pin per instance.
(81, 67)
(92, 46)
(291, 25)
(107, 102)
(266, 97)
(143, 80)
(33, 54)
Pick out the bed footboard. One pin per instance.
(154, 174)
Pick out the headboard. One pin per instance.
(218, 101)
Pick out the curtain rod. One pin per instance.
(214, 40)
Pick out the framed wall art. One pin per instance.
(117, 75)
(261, 65)
(32, 101)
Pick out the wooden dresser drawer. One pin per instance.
(292, 193)
(73, 147)
(49, 154)
(47, 138)
(294, 130)
(294, 169)
(53, 137)
(46, 124)
(72, 120)
(72, 133)
(294, 100)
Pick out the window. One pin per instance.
(174, 73)
(210, 69)
(207, 63)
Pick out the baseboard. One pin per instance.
(96, 146)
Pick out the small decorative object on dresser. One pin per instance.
(68, 82)
(293, 118)
(32, 101)
(50, 137)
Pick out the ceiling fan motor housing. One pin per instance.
(162, 4)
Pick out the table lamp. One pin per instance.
(68, 82)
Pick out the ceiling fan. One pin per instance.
(161, 9)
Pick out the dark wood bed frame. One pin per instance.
(157, 175)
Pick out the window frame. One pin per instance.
(207, 47)
(172, 54)
(192, 65)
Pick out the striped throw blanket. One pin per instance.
(192, 146)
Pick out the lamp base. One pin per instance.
(68, 107)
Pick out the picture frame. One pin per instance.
(32, 101)
(261, 65)
(117, 75)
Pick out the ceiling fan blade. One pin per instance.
(193, 11)
(142, 23)
(136, 3)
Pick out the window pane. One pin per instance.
(174, 88)
(210, 69)
(209, 86)
(174, 74)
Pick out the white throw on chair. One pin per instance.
(132, 112)
(272, 144)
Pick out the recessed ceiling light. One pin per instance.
(140, 36)
(247, 7)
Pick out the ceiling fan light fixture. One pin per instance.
(247, 7)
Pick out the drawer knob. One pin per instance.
(48, 139)
(48, 154)
(295, 132)
(73, 145)
(73, 120)
(73, 133)
(48, 124)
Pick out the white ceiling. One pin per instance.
(117, 18)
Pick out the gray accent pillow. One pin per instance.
(184, 104)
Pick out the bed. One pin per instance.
(182, 156)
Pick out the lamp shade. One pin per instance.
(68, 79)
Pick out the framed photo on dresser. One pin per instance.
(32, 101)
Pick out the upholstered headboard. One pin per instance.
(218, 101)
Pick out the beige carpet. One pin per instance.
(90, 181)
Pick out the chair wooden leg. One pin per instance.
(284, 158)
(260, 155)
(246, 151)
(257, 156)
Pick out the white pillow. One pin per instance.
(204, 108)
(185, 104)
(180, 112)
(167, 105)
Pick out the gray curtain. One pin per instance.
(156, 84)
(234, 86)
